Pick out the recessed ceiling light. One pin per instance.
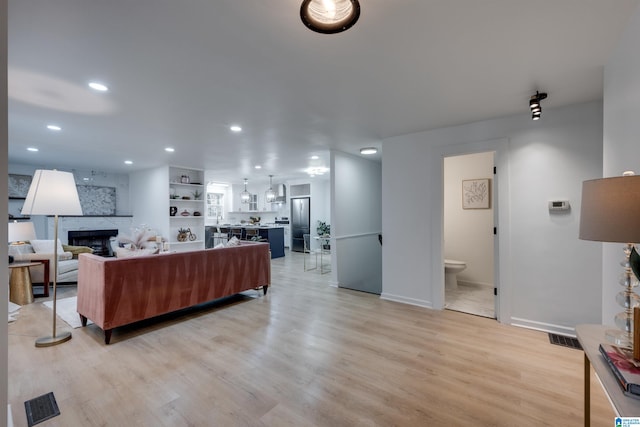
(32, 149)
(54, 127)
(258, 167)
(235, 128)
(128, 162)
(169, 149)
(98, 86)
(368, 150)
(314, 157)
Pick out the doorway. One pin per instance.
(469, 239)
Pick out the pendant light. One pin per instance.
(329, 16)
(245, 196)
(270, 195)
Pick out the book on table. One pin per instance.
(625, 368)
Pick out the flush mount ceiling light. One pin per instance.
(98, 86)
(245, 196)
(235, 128)
(535, 105)
(270, 195)
(54, 127)
(368, 150)
(329, 16)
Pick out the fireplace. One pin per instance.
(98, 240)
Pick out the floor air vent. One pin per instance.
(565, 341)
(41, 408)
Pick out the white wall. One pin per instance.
(149, 188)
(356, 217)
(551, 281)
(621, 141)
(468, 233)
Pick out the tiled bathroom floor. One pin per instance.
(471, 298)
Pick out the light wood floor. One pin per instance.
(307, 354)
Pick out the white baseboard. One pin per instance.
(543, 327)
(405, 300)
(9, 416)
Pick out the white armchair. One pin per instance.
(37, 250)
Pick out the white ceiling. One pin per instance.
(181, 72)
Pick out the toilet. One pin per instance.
(451, 269)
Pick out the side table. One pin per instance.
(20, 291)
(590, 337)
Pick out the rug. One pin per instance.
(13, 311)
(66, 309)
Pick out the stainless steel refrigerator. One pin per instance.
(300, 222)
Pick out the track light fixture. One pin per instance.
(535, 105)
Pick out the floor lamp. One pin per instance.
(610, 212)
(54, 193)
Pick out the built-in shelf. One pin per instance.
(252, 212)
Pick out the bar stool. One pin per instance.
(235, 232)
(250, 232)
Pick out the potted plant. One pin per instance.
(196, 195)
(324, 230)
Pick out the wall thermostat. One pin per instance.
(559, 205)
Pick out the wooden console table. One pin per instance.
(590, 337)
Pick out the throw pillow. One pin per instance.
(128, 253)
(234, 241)
(77, 250)
(45, 246)
(218, 246)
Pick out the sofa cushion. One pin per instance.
(45, 246)
(67, 266)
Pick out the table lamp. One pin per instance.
(21, 232)
(610, 212)
(53, 192)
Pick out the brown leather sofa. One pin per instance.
(114, 292)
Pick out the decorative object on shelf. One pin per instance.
(54, 193)
(329, 16)
(184, 179)
(609, 213)
(186, 198)
(245, 196)
(183, 234)
(197, 213)
(270, 195)
(185, 213)
(197, 194)
(173, 210)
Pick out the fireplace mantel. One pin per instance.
(123, 223)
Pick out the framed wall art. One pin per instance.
(476, 194)
(19, 186)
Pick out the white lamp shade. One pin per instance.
(21, 231)
(52, 192)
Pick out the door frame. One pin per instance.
(501, 247)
